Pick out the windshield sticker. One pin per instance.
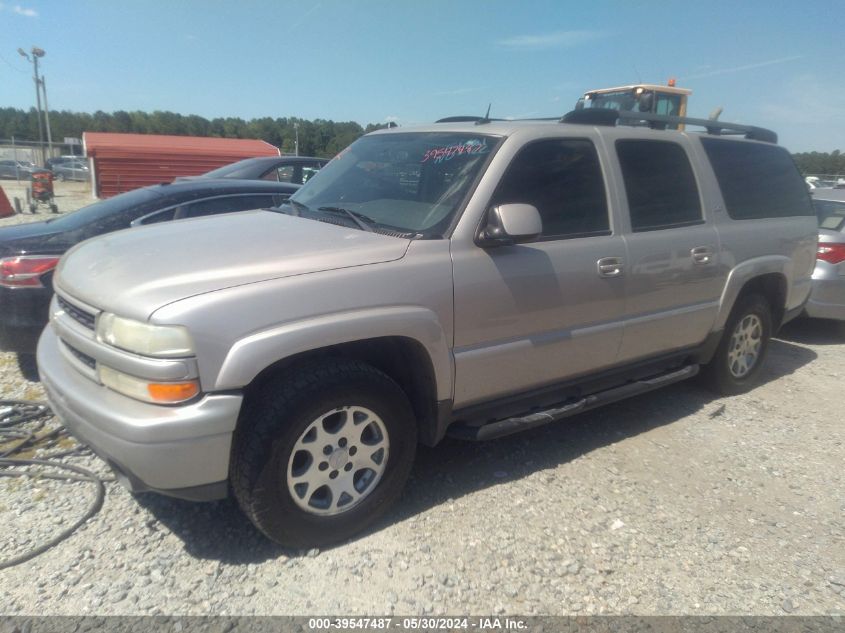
(470, 148)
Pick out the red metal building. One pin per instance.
(121, 162)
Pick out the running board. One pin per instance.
(501, 428)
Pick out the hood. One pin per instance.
(136, 271)
(28, 237)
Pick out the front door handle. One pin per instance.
(702, 255)
(610, 267)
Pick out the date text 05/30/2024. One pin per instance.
(417, 623)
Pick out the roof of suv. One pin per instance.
(598, 118)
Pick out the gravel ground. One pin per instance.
(674, 502)
(69, 197)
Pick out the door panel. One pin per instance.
(672, 296)
(674, 280)
(534, 314)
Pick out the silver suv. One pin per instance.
(470, 277)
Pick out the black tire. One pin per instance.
(718, 374)
(28, 367)
(275, 417)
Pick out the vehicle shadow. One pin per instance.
(814, 332)
(219, 531)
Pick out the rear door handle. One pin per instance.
(610, 267)
(702, 255)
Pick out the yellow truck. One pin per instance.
(651, 98)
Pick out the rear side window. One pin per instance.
(563, 179)
(757, 180)
(660, 185)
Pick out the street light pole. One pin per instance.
(296, 142)
(39, 86)
(47, 118)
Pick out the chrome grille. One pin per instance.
(81, 357)
(77, 314)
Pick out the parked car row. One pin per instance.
(290, 169)
(18, 169)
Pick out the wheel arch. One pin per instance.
(407, 344)
(768, 277)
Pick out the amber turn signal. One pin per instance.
(170, 392)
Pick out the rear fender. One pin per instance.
(745, 272)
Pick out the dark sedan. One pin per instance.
(294, 169)
(30, 252)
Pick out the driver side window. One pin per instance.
(563, 179)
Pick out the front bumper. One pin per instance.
(180, 451)
(827, 300)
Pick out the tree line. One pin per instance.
(317, 137)
(832, 163)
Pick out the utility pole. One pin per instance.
(39, 85)
(47, 117)
(296, 141)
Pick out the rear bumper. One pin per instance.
(827, 300)
(180, 451)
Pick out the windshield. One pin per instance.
(411, 182)
(103, 209)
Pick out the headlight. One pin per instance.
(167, 341)
(140, 389)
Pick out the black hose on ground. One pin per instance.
(15, 439)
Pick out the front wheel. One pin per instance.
(738, 359)
(322, 451)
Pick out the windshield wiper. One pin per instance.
(364, 222)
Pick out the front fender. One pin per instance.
(252, 354)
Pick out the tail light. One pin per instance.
(831, 253)
(25, 271)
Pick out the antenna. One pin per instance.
(487, 116)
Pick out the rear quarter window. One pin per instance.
(757, 180)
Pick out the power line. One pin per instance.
(13, 67)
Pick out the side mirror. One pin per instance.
(510, 224)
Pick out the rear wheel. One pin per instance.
(736, 364)
(322, 452)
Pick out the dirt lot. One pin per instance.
(674, 502)
(69, 197)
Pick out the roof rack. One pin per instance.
(604, 116)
